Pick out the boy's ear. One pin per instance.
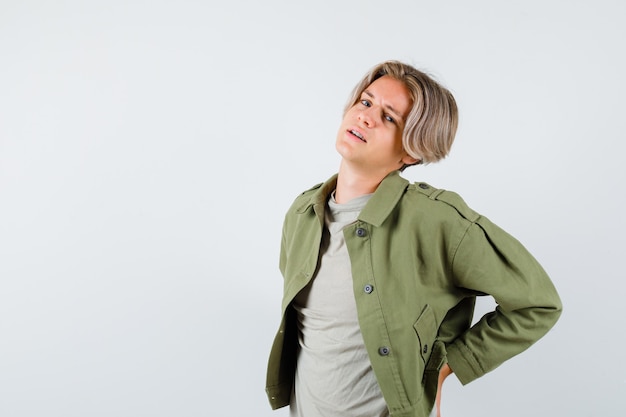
(409, 160)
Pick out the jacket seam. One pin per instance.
(455, 250)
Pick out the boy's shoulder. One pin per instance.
(447, 197)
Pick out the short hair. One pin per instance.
(433, 119)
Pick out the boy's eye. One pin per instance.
(366, 103)
(389, 118)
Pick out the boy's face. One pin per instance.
(370, 135)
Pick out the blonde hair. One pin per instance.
(433, 119)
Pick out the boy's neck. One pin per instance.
(353, 183)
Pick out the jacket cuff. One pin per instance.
(463, 363)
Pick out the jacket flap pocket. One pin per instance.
(426, 328)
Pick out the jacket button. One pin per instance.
(383, 351)
(425, 349)
(423, 186)
(360, 232)
(368, 289)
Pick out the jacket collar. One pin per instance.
(377, 208)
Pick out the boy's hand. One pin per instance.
(444, 372)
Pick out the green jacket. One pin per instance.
(419, 258)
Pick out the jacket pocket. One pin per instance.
(426, 329)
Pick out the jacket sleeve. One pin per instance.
(487, 260)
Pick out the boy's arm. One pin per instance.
(490, 261)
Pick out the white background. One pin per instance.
(149, 150)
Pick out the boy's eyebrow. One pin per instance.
(387, 106)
